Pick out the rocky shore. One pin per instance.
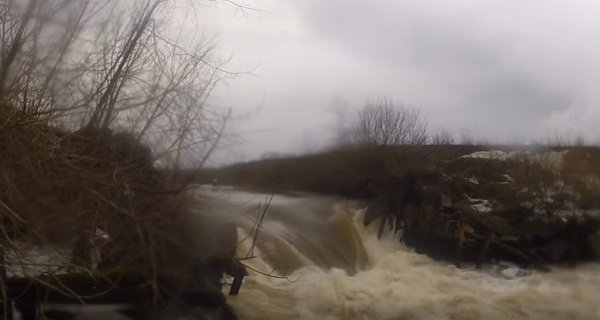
(525, 207)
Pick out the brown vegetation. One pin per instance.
(95, 198)
(385, 123)
(86, 87)
(352, 172)
(530, 207)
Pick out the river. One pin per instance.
(314, 259)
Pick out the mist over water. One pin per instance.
(327, 265)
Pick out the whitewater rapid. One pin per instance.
(314, 259)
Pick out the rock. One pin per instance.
(498, 225)
(555, 250)
(594, 242)
(376, 208)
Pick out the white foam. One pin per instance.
(401, 284)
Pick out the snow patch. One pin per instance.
(473, 180)
(550, 160)
(489, 154)
(480, 205)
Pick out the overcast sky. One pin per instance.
(507, 71)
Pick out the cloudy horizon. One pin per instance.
(505, 71)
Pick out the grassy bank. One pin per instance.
(530, 205)
(347, 172)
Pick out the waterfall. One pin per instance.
(314, 259)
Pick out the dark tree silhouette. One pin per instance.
(384, 123)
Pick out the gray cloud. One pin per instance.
(507, 70)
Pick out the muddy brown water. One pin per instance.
(325, 264)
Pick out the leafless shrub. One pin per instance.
(384, 123)
(442, 137)
(558, 138)
(72, 73)
(118, 68)
(466, 137)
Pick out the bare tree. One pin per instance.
(563, 138)
(112, 65)
(466, 137)
(82, 83)
(442, 137)
(384, 123)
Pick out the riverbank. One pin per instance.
(86, 217)
(532, 206)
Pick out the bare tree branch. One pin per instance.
(383, 123)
